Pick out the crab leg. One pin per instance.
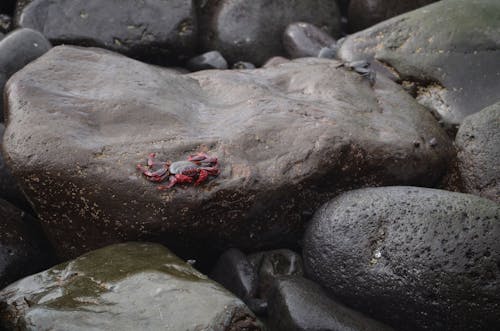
(178, 178)
(202, 158)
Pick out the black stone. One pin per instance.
(273, 264)
(154, 31)
(209, 60)
(7, 6)
(298, 304)
(305, 40)
(9, 189)
(234, 272)
(23, 248)
(251, 31)
(17, 49)
(416, 258)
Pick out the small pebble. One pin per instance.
(433, 142)
(243, 65)
(209, 60)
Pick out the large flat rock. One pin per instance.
(287, 138)
(448, 50)
(132, 286)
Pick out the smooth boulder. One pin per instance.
(251, 30)
(287, 139)
(416, 258)
(24, 249)
(17, 49)
(155, 31)
(131, 286)
(446, 54)
(478, 144)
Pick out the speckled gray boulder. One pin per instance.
(132, 286)
(478, 143)
(417, 258)
(288, 138)
(251, 31)
(446, 53)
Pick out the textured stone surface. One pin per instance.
(448, 51)
(251, 30)
(133, 286)
(17, 49)
(303, 40)
(9, 189)
(298, 304)
(23, 248)
(158, 31)
(287, 138)
(421, 259)
(478, 143)
(365, 13)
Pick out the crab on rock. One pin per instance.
(197, 167)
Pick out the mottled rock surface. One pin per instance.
(24, 249)
(132, 286)
(417, 258)
(478, 143)
(251, 30)
(365, 13)
(298, 304)
(9, 189)
(446, 53)
(17, 49)
(287, 138)
(156, 31)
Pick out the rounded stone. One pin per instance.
(302, 39)
(416, 258)
(478, 143)
(209, 60)
(251, 30)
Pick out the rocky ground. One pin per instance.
(310, 165)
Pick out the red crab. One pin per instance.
(198, 166)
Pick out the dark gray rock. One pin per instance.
(235, 273)
(243, 65)
(155, 31)
(17, 49)
(417, 258)
(288, 138)
(23, 248)
(274, 264)
(132, 286)
(478, 143)
(251, 30)
(305, 40)
(365, 13)
(447, 51)
(9, 189)
(209, 60)
(5, 24)
(298, 304)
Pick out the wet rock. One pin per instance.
(299, 304)
(288, 138)
(9, 189)
(209, 60)
(23, 248)
(365, 13)
(274, 264)
(5, 24)
(417, 258)
(130, 286)
(450, 59)
(235, 273)
(251, 30)
(305, 40)
(243, 65)
(154, 31)
(17, 49)
(478, 142)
